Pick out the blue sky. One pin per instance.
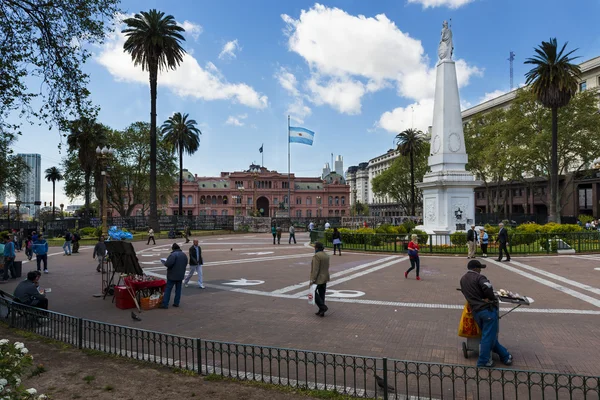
(355, 72)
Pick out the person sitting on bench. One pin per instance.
(27, 292)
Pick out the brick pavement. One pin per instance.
(395, 318)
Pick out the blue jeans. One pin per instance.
(489, 324)
(167, 295)
(66, 246)
(414, 263)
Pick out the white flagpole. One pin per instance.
(289, 178)
(262, 153)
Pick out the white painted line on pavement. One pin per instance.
(571, 292)
(340, 273)
(359, 274)
(557, 277)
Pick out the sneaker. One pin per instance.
(418, 278)
(45, 271)
(185, 285)
(163, 306)
(490, 364)
(175, 305)
(201, 286)
(406, 275)
(509, 360)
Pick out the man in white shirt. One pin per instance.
(327, 225)
(311, 226)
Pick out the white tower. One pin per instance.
(448, 197)
(326, 171)
(339, 165)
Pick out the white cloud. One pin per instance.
(297, 110)
(441, 3)
(188, 80)
(229, 50)
(416, 115)
(236, 121)
(350, 56)
(192, 29)
(287, 80)
(491, 95)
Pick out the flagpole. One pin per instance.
(289, 179)
(262, 153)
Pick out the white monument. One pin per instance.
(448, 197)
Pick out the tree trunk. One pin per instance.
(53, 199)
(412, 184)
(153, 220)
(552, 214)
(87, 189)
(180, 179)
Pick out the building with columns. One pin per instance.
(262, 190)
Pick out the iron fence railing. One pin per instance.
(519, 243)
(352, 375)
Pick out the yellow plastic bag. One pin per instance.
(467, 327)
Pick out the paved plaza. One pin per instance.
(256, 294)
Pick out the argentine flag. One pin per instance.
(301, 135)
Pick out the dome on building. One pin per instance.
(334, 178)
(187, 176)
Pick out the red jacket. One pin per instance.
(413, 246)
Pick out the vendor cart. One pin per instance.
(472, 344)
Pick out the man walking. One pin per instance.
(76, 239)
(279, 231)
(319, 275)
(176, 264)
(40, 248)
(479, 293)
(471, 242)
(187, 233)
(151, 236)
(9, 258)
(503, 239)
(292, 234)
(67, 245)
(195, 264)
(100, 252)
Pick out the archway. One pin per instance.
(262, 205)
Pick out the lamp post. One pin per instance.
(103, 154)
(62, 216)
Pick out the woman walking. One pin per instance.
(337, 241)
(413, 255)
(274, 232)
(483, 241)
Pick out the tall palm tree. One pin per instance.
(154, 42)
(410, 143)
(53, 175)
(182, 134)
(554, 80)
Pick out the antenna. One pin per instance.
(511, 58)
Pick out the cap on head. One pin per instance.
(175, 247)
(474, 264)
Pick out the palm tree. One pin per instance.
(53, 175)
(410, 143)
(554, 81)
(154, 42)
(182, 134)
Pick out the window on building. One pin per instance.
(284, 185)
(298, 213)
(224, 199)
(249, 201)
(238, 199)
(308, 201)
(343, 212)
(318, 200)
(285, 199)
(583, 86)
(337, 213)
(343, 200)
(214, 200)
(190, 200)
(176, 200)
(213, 212)
(239, 184)
(330, 212)
(337, 201)
(298, 200)
(330, 200)
(202, 212)
(190, 212)
(275, 200)
(308, 213)
(175, 212)
(224, 212)
(202, 200)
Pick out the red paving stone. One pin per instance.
(389, 320)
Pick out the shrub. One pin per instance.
(584, 218)
(88, 231)
(491, 230)
(15, 362)
(422, 235)
(98, 232)
(458, 238)
(409, 225)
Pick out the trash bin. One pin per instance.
(18, 268)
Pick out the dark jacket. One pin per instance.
(176, 265)
(193, 259)
(471, 235)
(503, 236)
(336, 235)
(99, 250)
(27, 292)
(476, 288)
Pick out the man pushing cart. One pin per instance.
(484, 306)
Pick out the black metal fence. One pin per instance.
(519, 243)
(353, 375)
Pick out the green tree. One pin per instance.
(53, 175)
(47, 40)
(86, 135)
(553, 80)
(12, 167)
(182, 135)
(396, 181)
(154, 42)
(410, 143)
(128, 183)
(359, 208)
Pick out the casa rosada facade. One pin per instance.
(261, 190)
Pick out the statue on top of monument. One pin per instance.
(446, 48)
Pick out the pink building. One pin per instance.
(241, 193)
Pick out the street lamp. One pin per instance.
(103, 154)
(61, 211)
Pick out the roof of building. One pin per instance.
(213, 184)
(334, 178)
